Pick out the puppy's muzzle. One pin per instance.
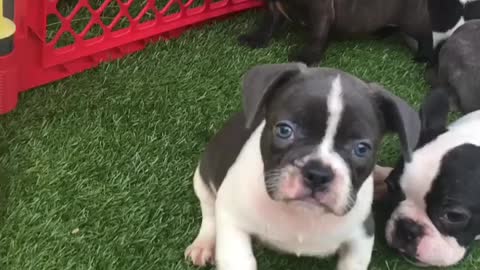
(407, 236)
(316, 176)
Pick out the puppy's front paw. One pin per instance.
(201, 252)
(309, 56)
(253, 40)
(237, 264)
(351, 265)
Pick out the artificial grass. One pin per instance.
(96, 169)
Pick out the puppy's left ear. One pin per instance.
(398, 117)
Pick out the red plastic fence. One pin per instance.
(58, 38)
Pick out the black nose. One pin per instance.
(408, 230)
(407, 236)
(316, 175)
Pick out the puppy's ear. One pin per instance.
(260, 82)
(434, 110)
(398, 117)
(434, 114)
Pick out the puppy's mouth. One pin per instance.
(288, 185)
(312, 199)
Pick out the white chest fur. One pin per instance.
(295, 228)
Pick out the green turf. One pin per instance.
(96, 169)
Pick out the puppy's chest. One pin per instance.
(301, 236)
(296, 229)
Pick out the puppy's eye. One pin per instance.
(456, 215)
(362, 149)
(284, 130)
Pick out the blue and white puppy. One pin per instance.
(435, 196)
(294, 168)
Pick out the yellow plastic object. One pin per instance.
(7, 27)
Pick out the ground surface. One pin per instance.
(96, 169)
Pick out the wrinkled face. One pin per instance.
(436, 205)
(319, 143)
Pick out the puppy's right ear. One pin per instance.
(434, 112)
(260, 82)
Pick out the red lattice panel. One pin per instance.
(58, 38)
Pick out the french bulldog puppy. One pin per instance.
(340, 19)
(458, 68)
(447, 15)
(435, 196)
(294, 168)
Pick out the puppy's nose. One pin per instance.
(408, 230)
(407, 236)
(316, 175)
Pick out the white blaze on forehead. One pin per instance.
(340, 188)
(477, 238)
(335, 109)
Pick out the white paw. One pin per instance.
(235, 264)
(352, 265)
(201, 252)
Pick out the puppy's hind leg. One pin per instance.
(424, 52)
(259, 38)
(202, 250)
(319, 28)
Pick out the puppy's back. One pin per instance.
(459, 64)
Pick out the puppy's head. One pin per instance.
(435, 197)
(322, 131)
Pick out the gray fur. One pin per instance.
(458, 70)
(223, 149)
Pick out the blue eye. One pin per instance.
(283, 130)
(362, 149)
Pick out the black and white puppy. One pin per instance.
(458, 69)
(324, 19)
(294, 168)
(447, 15)
(435, 196)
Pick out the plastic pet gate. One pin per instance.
(42, 41)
